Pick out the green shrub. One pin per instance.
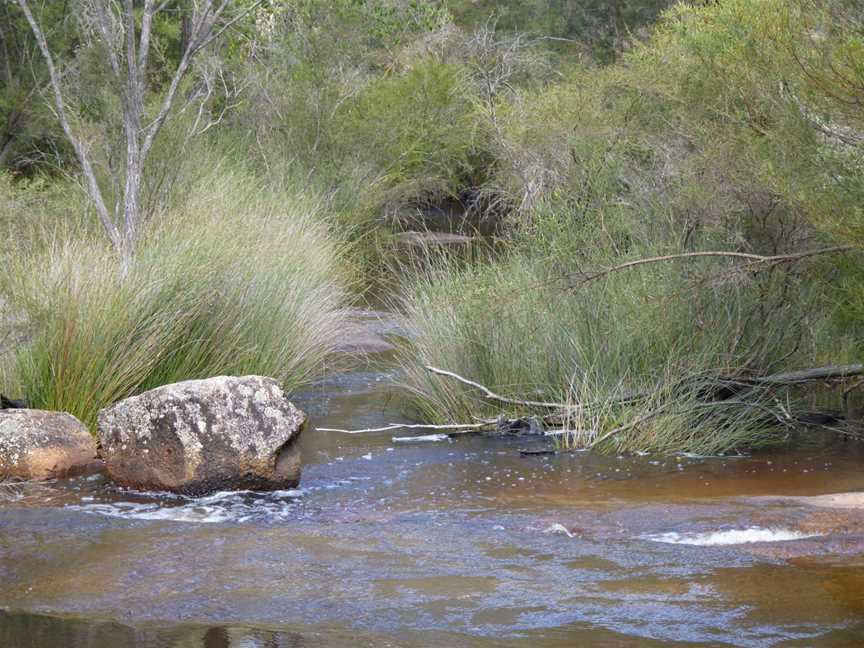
(601, 27)
(415, 133)
(775, 88)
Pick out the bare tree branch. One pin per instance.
(816, 374)
(103, 20)
(201, 36)
(144, 44)
(115, 23)
(497, 397)
(229, 24)
(77, 144)
(752, 260)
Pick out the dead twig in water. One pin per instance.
(785, 379)
(422, 438)
(562, 407)
(780, 379)
(457, 428)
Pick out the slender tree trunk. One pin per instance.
(185, 32)
(80, 149)
(128, 65)
(7, 63)
(133, 110)
(7, 139)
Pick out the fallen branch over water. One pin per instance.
(496, 397)
(816, 374)
(533, 425)
(785, 379)
(501, 425)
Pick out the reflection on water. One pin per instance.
(26, 630)
(459, 543)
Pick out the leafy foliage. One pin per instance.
(735, 128)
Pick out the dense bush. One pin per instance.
(661, 330)
(733, 129)
(776, 86)
(597, 26)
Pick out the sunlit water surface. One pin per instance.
(459, 543)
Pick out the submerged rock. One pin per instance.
(38, 444)
(200, 436)
(853, 500)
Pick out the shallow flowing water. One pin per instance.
(458, 543)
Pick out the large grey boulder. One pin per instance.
(200, 436)
(38, 444)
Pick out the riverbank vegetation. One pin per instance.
(735, 129)
(236, 280)
(671, 197)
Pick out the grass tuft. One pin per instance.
(663, 334)
(236, 281)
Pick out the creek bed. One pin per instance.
(459, 543)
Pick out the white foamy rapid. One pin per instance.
(730, 537)
(234, 506)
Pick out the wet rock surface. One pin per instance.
(38, 445)
(835, 500)
(201, 436)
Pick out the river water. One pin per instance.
(457, 543)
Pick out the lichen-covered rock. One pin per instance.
(200, 436)
(38, 444)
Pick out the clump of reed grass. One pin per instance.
(680, 413)
(237, 280)
(670, 336)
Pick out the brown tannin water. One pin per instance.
(457, 543)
